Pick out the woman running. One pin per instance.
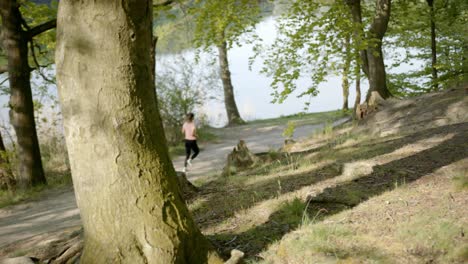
(190, 131)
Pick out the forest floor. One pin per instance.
(391, 189)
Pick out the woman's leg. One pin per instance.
(187, 151)
(195, 149)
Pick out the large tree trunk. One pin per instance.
(15, 41)
(377, 74)
(435, 85)
(7, 181)
(125, 185)
(229, 100)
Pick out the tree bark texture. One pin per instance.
(435, 85)
(377, 74)
(229, 100)
(125, 185)
(7, 181)
(15, 43)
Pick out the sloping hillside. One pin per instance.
(402, 194)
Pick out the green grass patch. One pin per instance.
(292, 212)
(177, 150)
(14, 197)
(302, 118)
(460, 181)
(206, 134)
(54, 181)
(324, 244)
(434, 238)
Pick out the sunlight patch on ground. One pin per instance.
(358, 169)
(260, 213)
(280, 174)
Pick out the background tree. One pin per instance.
(16, 35)
(125, 184)
(222, 23)
(375, 57)
(433, 37)
(346, 71)
(314, 40)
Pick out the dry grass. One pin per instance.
(422, 222)
(322, 194)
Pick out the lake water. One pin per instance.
(252, 89)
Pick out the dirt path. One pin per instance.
(258, 138)
(58, 210)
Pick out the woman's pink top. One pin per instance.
(189, 130)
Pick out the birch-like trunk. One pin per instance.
(233, 115)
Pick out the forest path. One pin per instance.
(259, 138)
(57, 210)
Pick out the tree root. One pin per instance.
(236, 257)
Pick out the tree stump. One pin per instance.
(239, 159)
(188, 189)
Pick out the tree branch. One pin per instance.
(4, 81)
(33, 53)
(42, 28)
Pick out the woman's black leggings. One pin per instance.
(189, 146)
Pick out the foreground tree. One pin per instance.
(125, 185)
(16, 34)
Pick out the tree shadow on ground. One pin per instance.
(221, 200)
(349, 194)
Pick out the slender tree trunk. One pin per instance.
(357, 102)
(234, 117)
(7, 181)
(125, 185)
(377, 74)
(15, 41)
(465, 60)
(346, 67)
(356, 13)
(435, 85)
(345, 86)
